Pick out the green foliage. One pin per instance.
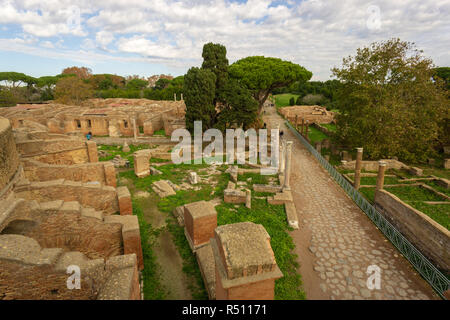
(16, 78)
(200, 90)
(7, 98)
(162, 83)
(438, 212)
(153, 289)
(215, 59)
(444, 74)
(137, 84)
(262, 75)
(389, 104)
(291, 101)
(238, 107)
(72, 90)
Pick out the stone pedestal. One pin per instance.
(358, 163)
(193, 178)
(124, 198)
(245, 264)
(126, 147)
(92, 151)
(142, 163)
(200, 220)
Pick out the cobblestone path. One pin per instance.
(337, 242)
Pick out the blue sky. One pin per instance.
(129, 37)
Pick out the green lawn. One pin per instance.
(315, 135)
(329, 126)
(438, 212)
(414, 193)
(282, 100)
(159, 132)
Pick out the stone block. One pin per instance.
(200, 220)
(447, 163)
(110, 174)
(163, 188)
(193, 179)
(142, 163)
(234, 196)
(246, 268)
(415, 171)
(124, 197)
(291, 214)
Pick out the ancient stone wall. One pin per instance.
(86, 172)
(432, 239)
(9, 159)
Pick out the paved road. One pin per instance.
(337, 242)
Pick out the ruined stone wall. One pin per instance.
(432, 239)
(38, 282)
(101, 198)
(9, 159)
(88, 172)
(73, 232)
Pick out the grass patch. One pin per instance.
(273, 218)
(153, 289)
(329, 126)
(161, 132)
(282, 100)
(117, 150)
(368, 193)
(437, 187)
(190, 265)
(414, 193)
(315, 135)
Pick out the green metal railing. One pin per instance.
(426, 269)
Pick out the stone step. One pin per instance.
(90, 212)
(291, 214)
(280, 198)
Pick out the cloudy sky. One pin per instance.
(146, 37)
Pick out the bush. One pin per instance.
(291, 101)
(7, 99)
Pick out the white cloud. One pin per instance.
(314, 33)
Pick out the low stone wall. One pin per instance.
(101, 198)
(103, 172)
(322, 129)
(432, 239)
(373, 165)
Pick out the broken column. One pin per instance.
(126, 147)
(248, 198)
(358, 163)
(92, 151)
(245, 264)
(287, 169)
(182, 97)
(134, 129)
(142, 163)
(200, 220)
(318, 146)
(306, 130)
(380, 177)
(174, 97)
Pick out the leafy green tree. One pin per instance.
(200, 90)
(444, 74)
(15, 79)
(262, 75)
(215, 59)
(72, 90)
(389, 103)
(137, 84)
(238, 108)
(7, 98)
(162, 83)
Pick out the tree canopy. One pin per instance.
(72, 90)
(200, 90)
(388, 102)
(261, 75)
